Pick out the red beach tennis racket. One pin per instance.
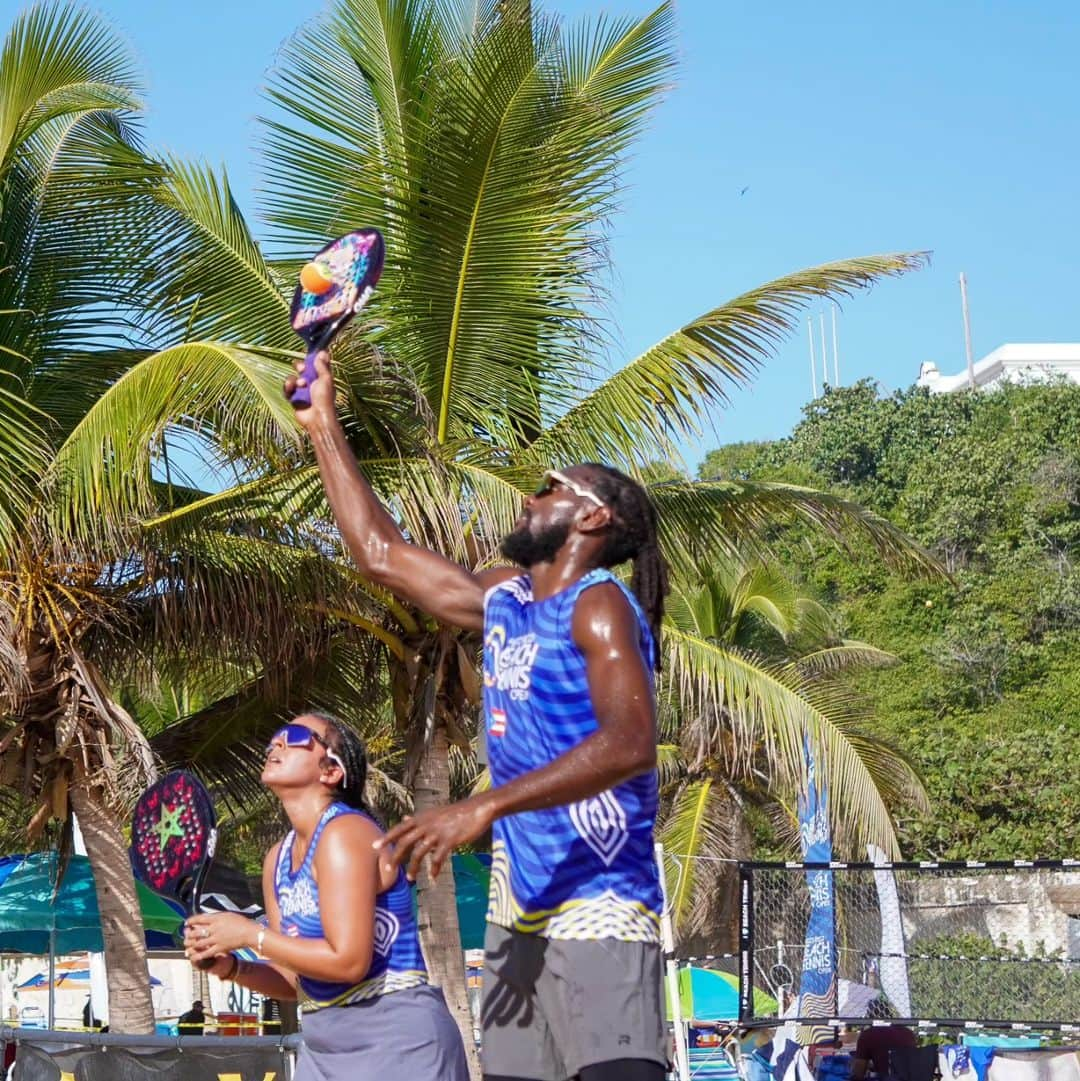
(173, 838)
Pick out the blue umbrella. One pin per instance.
(708, 995)
(472, 872)
(40, 980)
(33, 920)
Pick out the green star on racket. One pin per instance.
(169, 825)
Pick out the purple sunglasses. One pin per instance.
(299, 735)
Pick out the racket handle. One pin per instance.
(301, 396)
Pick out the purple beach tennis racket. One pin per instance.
(333, 287)
(173, 839)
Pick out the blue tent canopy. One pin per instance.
(36, 918)
(472, 872)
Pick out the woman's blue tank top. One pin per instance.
(396, 960)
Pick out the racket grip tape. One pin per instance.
(301, 396)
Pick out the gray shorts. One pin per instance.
(552, 1008)
(404, 1035)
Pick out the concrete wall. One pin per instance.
(1029, 909)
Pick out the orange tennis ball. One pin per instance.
(315, 278)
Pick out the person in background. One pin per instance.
(88, 1019)
(874, 1044)
(193, 1022)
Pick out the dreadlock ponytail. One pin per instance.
(633, 536)
(649, 582)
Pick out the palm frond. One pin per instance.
(102, 476)
(207, 278)
(24, 454)
(69, 165)
(697, 519)
(715, 604)
(229, 599)
(489, 161)
(695, 831)
(226, 739)
(670, 764)
(57, 59)
(457, 507)
(743, 710)
(641, 411)
(331, 169)
(848, 656)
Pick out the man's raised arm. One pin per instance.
(418, 575)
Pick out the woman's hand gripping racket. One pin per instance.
(333, 287)
(173, 839)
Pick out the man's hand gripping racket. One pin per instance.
(333, 287)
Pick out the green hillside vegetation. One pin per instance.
(986, 699)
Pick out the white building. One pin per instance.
(1017, 362)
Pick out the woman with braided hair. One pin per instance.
(341, 935)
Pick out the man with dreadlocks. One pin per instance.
(572, 977)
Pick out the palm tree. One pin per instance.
(68, 96)
(486, 142)
(91, 603)
(754, 667)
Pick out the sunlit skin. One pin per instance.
(604, 628)
(304, 780)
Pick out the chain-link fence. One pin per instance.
(991, 943)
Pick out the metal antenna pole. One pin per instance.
(667, 938)
(835, 350)
(967, 331)
(824, 353)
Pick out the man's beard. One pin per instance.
(527, 549)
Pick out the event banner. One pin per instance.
(817, 986)
(120, 1064)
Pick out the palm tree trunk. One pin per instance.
(440, 935)
(131, 1009)
(200, 988)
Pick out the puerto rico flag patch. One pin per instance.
(498, 722)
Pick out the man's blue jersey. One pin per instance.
(584, 871)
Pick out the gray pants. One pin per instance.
(552, 1008)
(400, 1036)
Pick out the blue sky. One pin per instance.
(856, 128)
